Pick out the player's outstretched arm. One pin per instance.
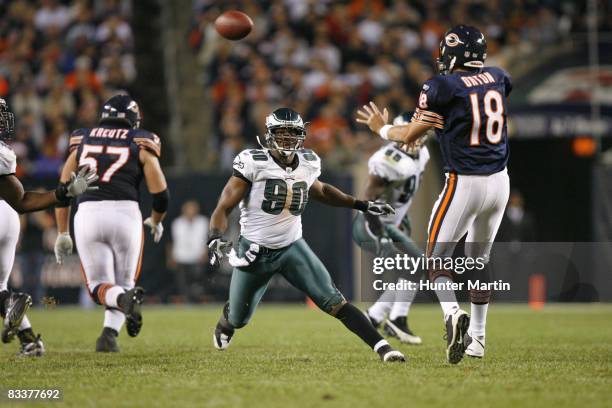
(377, 122)
(157, 186)
(232, 193)
(11, 191)
(330, 195)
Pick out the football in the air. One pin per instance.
(233, 25)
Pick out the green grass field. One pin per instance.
(294, 356)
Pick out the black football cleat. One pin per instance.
(17, 305)
(131, 301)
(107, 342)
(223, 331)
(389, 355)
(33, 348)
(399, 329)
(457, 325)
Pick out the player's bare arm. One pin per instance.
(11, 190)
(62, 213)
(409, 133)
(235, 189)
(157, 186)
(330, 195)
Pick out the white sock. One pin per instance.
(114, 319)
(478, 320)
(25, 324)
(380, 344)
(110, 298)
(447, 298)
(403, 300)
(379, 310)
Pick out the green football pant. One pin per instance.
(296, 263)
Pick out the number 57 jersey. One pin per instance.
(114, 153)
(270, 213)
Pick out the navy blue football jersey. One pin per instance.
(468, 111)
(114, 153)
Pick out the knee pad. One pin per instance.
(480, 297)
(436, 273)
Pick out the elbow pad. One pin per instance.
(160, 201)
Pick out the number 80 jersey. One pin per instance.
(114, 153)
(270, 214)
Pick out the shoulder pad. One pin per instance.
(76, 137)
(147, 140)
(8, 160)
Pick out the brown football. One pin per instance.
(233, 25)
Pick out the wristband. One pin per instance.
(384, 131)
(213, 234)
(361, 205)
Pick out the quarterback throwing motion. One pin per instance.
(273, 186)
(466, 105)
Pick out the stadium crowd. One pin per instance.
(324, 58)
(58, 61)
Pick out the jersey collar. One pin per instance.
(294, 164)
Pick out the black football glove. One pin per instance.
(374, 207)
(218, 248)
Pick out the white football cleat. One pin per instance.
(475, 346)
(457, 325)
(399, 329)
(34, 348)
(221, 341)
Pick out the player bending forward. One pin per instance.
(13, 199)
(273, 186)
(466, 104)
(108, 223)
(395, 173)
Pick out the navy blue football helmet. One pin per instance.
(462, 46)
(7, 121)
(121, 109)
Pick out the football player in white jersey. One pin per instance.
(273, 186)
(395, 174)
(13, 199)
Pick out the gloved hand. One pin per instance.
(78, 184)
(379, 208)
(217, 250)
(63, 247)
(157, 230)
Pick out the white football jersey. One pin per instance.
(270, 215)
(8, 160)
(404, 174)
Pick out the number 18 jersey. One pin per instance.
(468, 111)
(271, 212)
(114, 153)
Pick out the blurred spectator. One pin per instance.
(518, 224)
(188, 254)
(58, 60)
(308, 53)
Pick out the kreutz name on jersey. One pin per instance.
(270, 215)
(109, 133)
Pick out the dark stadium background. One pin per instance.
(206, 98)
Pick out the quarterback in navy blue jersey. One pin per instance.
(108, 223)
(466, 104)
